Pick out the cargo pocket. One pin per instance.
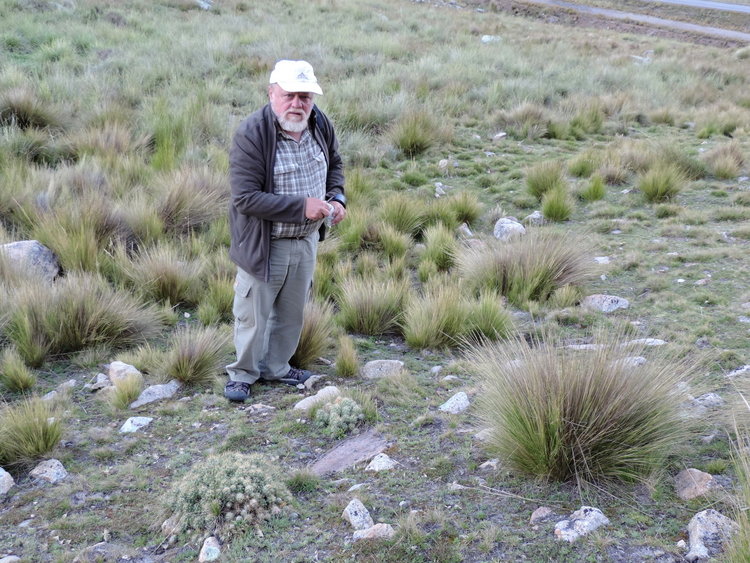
(242, 308)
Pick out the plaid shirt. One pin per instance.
(300, 170)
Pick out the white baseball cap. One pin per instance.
(295, 76)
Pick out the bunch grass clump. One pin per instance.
(227, 495)
(125, 390)
(195, 354)
(414, 132)
(441, 246)
(29, 429)
(79, 311)
(587, 416)
(404, 212)
(557, 205)
(661, 183)
(370, 306)
(594, 190)
(725, 161)
(487, 318)
(347, 360)
(22, 108)
(338, 417)
(317, 333)
(15, 376)
(528, 268)
(544, 177)
(436, 319)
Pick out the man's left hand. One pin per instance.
(339, 212)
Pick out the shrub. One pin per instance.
(661, 183)
(528, 268)
(544, 177)
(195, 354)
(227, 495)
(338, 417)
(347, 362)
(79, 311)
(557, 205)
(28, 430)
(317, 330)
(589, 416)
(594, 190)
(372, 307)
(15, 376)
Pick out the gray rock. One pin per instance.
(323, 396)
(6, 482)
(350, 452)
(490, 464)
(382, 368)
(540, 514)
(490, 39)
(483, 435)
(51, 471)
(709, 401)
(10, 559)
(708, 532)
(378, 531)
(744, 370)
(604, 303)
(581, 522)
(99, 382)
(381, 462)
(357, 515)
(62, 390)
(135, 423)
(120, 371)
(536, 218)
(102, 551)
(692, 483)
(33, 257)
(210, 551)
(155, 393)
(507, 228)
(435, 370)
(644, 342)
(465, 231)
(457, 404)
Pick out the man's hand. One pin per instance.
(339, 212)
(316, 209)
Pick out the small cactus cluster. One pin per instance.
(226, 495)
(338, 417)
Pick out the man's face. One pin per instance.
(292, 109)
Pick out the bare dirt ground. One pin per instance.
(567, 17)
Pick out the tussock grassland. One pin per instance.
(115, 122)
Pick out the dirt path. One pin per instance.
(741, 8)
(650, 20)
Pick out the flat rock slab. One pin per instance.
(350, 452)
(604, 303)
(457, 404)
(156, 393)
(135, 423)
(382, 368)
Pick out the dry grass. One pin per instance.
(317, 332)
(29, 429)
(196, 355)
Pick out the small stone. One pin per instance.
(457, 404)
(581, 522)
(355, 487)
(357, 515)
(744, 370)
(378, 531)
(323, 396)
(490, 464)
(499, 136)
(211, 550)
(135, 423)
(631, 362)
(170, 526)
(465, 231)
(644, 342)
(6, 482)
(10, 559)
(100, 382)
(120, 371)
(435, 370)
(540, 514)
(602, 259)
(51, 471)
(604, 303)
(451, 378)
(377, 369)
(692, 483)
(311, 381)
(483, 435)
(709, 531)
(743, 319)
(490, 39)
(507, 228)
(535, 218)
(709, 401)
(381, 462)
(155, 393)
(32, 257)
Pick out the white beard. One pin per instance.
(293, 126)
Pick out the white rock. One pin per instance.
(6, 482)
(644, 342)
(155, 393)
(465, 231)
(483, 435)
(536, 218)
(708, 532)
(32, 257)
(119, 371)
(490, 39)
(135, 423)
(51, 471)
(457, 404)
(744, 370)
(323, 396)
(435, 370)
(499, 136)
(62, 390)
(10, 559)
(602, 259)
(604, 303)
(382, 368)
(507, 228)
(357, 515)
(692, 483)
(490, 464)
(581, 522)
(541, 513)
(211, 550)
(376, 532)
(100, 382)
(381, 462)
(356, 487)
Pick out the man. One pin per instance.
(286, 177)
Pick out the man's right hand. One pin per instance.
(316, 209)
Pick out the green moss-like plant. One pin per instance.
(338, 417)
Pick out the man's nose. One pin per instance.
(297, 102)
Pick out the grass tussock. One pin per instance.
(441, 247)
(125, 390)
(29, 430)
(371, 306)
(725, 161)
(588, 416)
(661, 183)
(557, 205)
(22, 108)
(544, 177)
(529, 268)
(415, 132)
(403, 212)
(15, 376)
(196, 355)
(436, 319)
(77, 312)
(347, 359)
(595, 190)
(317, 332)
(190, 198)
